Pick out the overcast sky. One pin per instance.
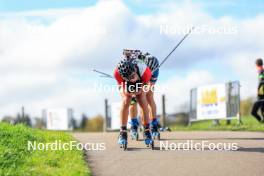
(49, 48)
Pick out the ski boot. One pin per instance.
(148, 139)
(134, 129)
(154, 129)
(122, 140)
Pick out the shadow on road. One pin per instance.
(257, 149)
(240, 149)
(177, 139)
(141, 148)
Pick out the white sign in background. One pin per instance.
(211, 102)
(57, 119)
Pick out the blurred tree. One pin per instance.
(8, 119)
(95, 123)
(246, 106)
(39, 123)
(83, 121)
(25, 119)
(74, 123)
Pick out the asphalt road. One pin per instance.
(247, 160)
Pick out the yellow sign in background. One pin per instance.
(210, 97)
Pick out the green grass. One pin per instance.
(248, 124)
(17, 160)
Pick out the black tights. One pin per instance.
(258, 105)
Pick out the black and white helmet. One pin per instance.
(131, 53)
(126, 68)
(151, 61)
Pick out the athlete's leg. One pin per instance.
(126, 99)
(154, 126)
(133, 111)
(122, 139)
(257, 105)
(150, 95)
(262, 111)
(151, 103)
(142, 101)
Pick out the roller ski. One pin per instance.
(134, 129)
(122, 140)
(148, 139)
(155, 129)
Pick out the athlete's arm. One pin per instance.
(118, 77)
(146, 76)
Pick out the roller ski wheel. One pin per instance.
(134, 129)
(152, 146)
(124, 146)
(158, 136)
(122, 140)
(149, 142)
(155, 135)
(154, 129)
(134, 135)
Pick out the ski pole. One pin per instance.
(103, 74)
(164, 60)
